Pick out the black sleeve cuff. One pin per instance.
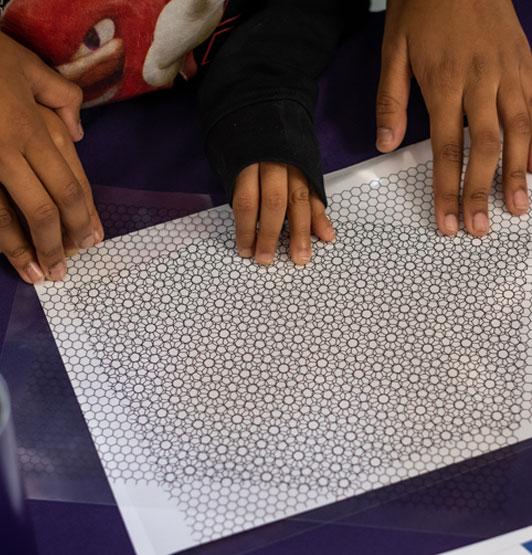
(271, 131)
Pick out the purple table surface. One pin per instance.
(446, 509)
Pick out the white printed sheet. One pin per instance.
(222, 395)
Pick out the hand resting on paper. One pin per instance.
(46, 206)
(469, 57)
(266, 193)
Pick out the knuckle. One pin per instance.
(18, 253)
(487, 142)
(519, 174)
(443, 76)
(59, 136)
(477, 68)
(85, 186)
(52, 253)
(520, 123)
(72, 193)
(479, 195)
(245, 237)
(449, 196)
(6, 218)
(274, 201)
(45, 214)
(245, 203)
(452, 153)
(268, 236)
(301, 195)
(24, 125)
(387, 104)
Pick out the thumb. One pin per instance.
(54, 91)
(392, 98)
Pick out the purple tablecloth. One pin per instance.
(153, 143)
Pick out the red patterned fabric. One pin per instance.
(114, 49)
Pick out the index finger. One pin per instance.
(39, 210)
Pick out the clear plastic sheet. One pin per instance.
(478, 497)
(56, 453)
(15, 532)
(216, 408)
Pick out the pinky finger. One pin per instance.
(321, 226)
(14, 244)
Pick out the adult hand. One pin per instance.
(43, 185)
(471, 58)
(265, 194)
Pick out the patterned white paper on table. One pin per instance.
(222, 395)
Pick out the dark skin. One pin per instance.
(264, 194)
(40, 172)
(469, 57)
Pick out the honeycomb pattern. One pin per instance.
(251, 393)
(54, 446)
(119, 218)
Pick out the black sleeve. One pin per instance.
(259, 93)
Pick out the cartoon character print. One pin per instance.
(114, 49)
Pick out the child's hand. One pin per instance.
(267, 192)
(43, 183)
(468, 57)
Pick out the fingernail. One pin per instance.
(88, 241)
(302, 257)
(330, 234)
(97, 236)
(80, 130)
(384, 136)
(481, 224)
(71, 251)
(34, 272)
(264, 258)
(58, 271)
(521, 200)
(246, 253)
(451, 224)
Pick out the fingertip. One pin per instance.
(329, 234)
(80, 132)
(301, 260)
(449, 226)
(325, 231)
(76, 131)
(245, 252)
(98, 235)
(32, 274)
(264, 259)
(385, 139)
(70, 117)
(301, 255)
(519, 203)
(57, 272)
(480, 225)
